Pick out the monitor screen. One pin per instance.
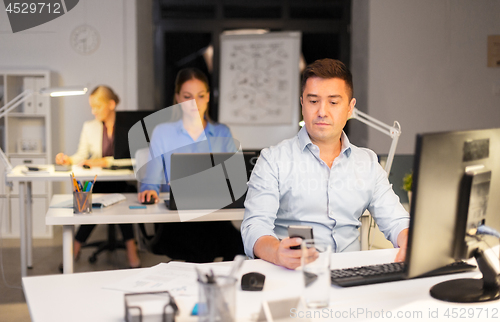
(124, 121)
(456, 184)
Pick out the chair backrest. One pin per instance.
(142, 157)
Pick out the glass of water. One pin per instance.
(315, 262)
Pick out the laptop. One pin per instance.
(210, 180)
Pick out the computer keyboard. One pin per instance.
(389, 272)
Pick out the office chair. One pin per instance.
(111, 243)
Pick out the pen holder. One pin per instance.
(217, 300)
(82, 202)
(150, 307)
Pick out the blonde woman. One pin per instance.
(96, 150)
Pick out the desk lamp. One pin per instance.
(393, 131)
(21, 98)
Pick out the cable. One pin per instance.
(370, 239)
(489, 246)
(1, 253)
(485, 230)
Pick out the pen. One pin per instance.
(72, 183)
(75, 183)
(76, 189)
(90, 186)
(93, 182)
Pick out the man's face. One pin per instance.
(326, 108)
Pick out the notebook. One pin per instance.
(35, 169)
(99, 200)
(105, 200)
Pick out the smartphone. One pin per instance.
(304, 232)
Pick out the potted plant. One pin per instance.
(407, 184)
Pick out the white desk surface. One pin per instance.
(121, 213)
(80, 297)
(80, 173)
(25, 196)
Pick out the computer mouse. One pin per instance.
(85, 166)
(252, 281)
(151, 201)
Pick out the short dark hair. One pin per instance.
(106, 92)
(327, 68)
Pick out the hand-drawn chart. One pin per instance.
(259, 78)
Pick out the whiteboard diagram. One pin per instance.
(259, 78)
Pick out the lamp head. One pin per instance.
(63, 91)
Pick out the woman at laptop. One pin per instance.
(194, 132)
(95, 149)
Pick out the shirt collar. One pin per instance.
(305, 140)
(179, 127)
(209, 129)
(346, 145)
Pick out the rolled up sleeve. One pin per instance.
(261, 204)
(389, 214)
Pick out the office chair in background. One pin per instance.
(111, 243)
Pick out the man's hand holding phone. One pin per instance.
(285, 252)
(303, 232)
(287, 256)
(291, 251)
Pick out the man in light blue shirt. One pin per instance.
(319, 179)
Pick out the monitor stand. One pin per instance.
(470, 290)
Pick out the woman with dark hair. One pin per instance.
(194, 132)
(96, 150)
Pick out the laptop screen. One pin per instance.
(210, 180)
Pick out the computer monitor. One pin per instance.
(124, 121)
(454, 173)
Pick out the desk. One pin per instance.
(120, 214)
(80, 297)
(25, 197)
